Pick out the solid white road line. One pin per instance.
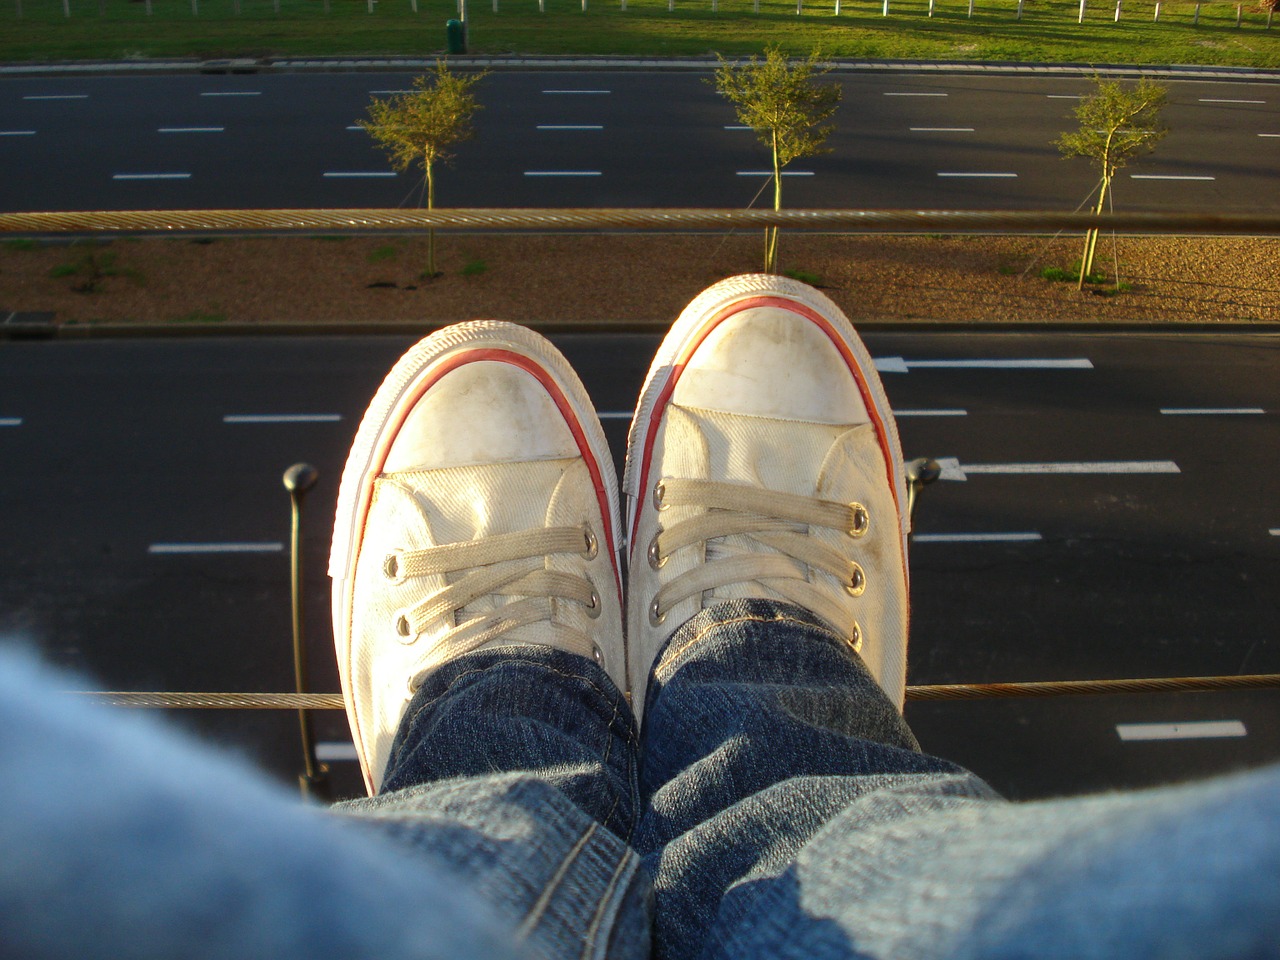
(57, 96)
(615, 415)
(358, 174)
(1028, 537)
(231, 93)
(570, 126)
(908, 94)
(1064, 96)
(769, 173)
(900, 365)
(215, 548)
(737, 126)
(1188, 730)
(953, 469)
(17, 133)
(1274, 531)
(563, 173)
(1227, 100)
(191, 130)
(1166, 176)
(151, 176)
(1209, 411)
(931, 413)
(387, 93)
(10, 421)
(282, 418)
(327, 751)
(979, 176)
(941, 129)
(571, 92)
(1269, 134)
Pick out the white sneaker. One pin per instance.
(478, 508)
(764, 462)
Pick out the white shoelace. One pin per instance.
(773, 520)
(507, 565)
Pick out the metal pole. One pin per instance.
(298, 479)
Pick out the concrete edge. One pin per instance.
(476, 62)
(47, 331)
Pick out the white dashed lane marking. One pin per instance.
(901, 365)
(1228, 100)
(563, 173)
(576, 92)
(328, 751)
(176, 548)
(893, 93)
(1190, 730)
(769, 173)
(17, 133)
(953, 469)
(1211, 411)
(358, 174)
(976, 175)
(151, 176)
(941, 129)
(231, 93)
(570, 126)
(1166, 176)
(1029, 537)
(56, 96)
(282, 418)
(191, 130)
(949, 412)
(10, 421)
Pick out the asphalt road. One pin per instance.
(611, 139)
(121, 457)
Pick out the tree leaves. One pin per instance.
(420, 126)
(781, 101)
(1117, 125)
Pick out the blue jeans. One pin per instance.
(775, 805)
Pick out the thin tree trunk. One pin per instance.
(431, 231)
(1091, 236)
(771, 234)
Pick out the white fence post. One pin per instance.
(1019, 9)
(1082, 3)
(1156, 18)
(970, 9)
(837, 13)
(1118, 3)
(1239, 7)
(1195, 20)
(886, 7)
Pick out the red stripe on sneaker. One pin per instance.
(681, 359)
(538, 372)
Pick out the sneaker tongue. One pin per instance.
(460, 504)
(790, 456)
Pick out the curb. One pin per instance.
(284, 65)
(46, 329)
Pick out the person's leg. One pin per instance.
(477, 614)
(789, 812)
(121, 838)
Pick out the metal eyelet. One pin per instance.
(598, 654)
(655, 619)
(656, 560)
(861, 520)
(855, 637)
(857, 580)
(595, 607)
(391, 567)
(591, 545)
(404, 631)
(659, 495)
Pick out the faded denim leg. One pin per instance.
(517, 766)
(790, 815)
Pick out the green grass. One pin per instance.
(1047, 32)
(381, 254)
